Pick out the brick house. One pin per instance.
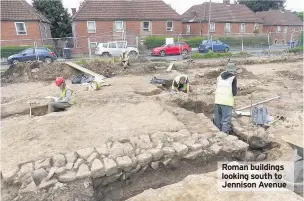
(283, 25)
(225, 18)
(108, 20)
(21, 24)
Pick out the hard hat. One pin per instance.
(59, 81)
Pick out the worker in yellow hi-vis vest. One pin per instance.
(66, 98)
(226, 89)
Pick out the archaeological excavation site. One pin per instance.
(139, 141)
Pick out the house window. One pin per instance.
(146, 26)
(278, 29)
(93, 44)
(119, 26)
(20, 28)
(286, 29)
(256, 26)
(45, 31)
(212, 27)
(188, 29)
(112, 45)
(169, 26)
(243, 28)
(227, 28)
(293, 30)
(91, 25)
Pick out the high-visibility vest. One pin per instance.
(223, 93)
(63, 94)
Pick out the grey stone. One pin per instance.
(221, 134)
(58, 160)
(144, 142)
(181, 149)
(35, 70)
(230, 138)
(136, 169)
(156, 153)
(78, 163)
(167, 161)
(118, 149)
(39, 175)
(159, 138)
(195, 147)
(103, 150)
(31, 187)
(60, 170)
(92, 157)
(155, 165)
(134, 160)
(234, 146)
(144, 159)
(204, 142)
(193, 155)
(25, 169)
(215, 149)
(98, 169)
(261, 157)
(10, 175)
(179, 136)
(51, 173)
(85, 153)
(69, 166)
(169, 152)
(71, 157)
(83, 171)
(46, 184)
(44, 163)
(124, 162)
(110, 166)
(67, 177)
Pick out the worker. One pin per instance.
(125, 59)
(226, 89)
(181, 83)
(66, 97)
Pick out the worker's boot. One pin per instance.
(50, 108)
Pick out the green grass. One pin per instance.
(210, 54)
(296, 49)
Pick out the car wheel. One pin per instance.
(48, 60)
(185, 51)
(106, 54)
(226, 49)
(162, 53)
(15, 61)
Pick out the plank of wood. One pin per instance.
(85, 70)
(258, 103)
(170, 67)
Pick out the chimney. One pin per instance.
(73, 11)
(227, 2)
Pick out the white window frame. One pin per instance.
(256, 26)
(96, 44)
(23, 26)
(278, 29)
(122, 26)
(91, 31)
(149, 28)
(212, 28)
(226, 29)
(286, 29)
(243, 28)
(45, 31)
(169, 28)
(188, 29)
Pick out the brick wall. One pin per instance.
(282, 36)
(8, 32)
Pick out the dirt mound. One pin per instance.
(296, 75)
(101, 67)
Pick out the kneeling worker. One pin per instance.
(181, 83)
(66, 97)
(226, 89)
(125, 59)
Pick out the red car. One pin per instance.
(171, 49)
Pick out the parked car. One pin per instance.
(115, 49)
(171, 49)
(214, 45)
(33, 54)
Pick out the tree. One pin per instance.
(53, 10)
(300, 15)
(265, 5)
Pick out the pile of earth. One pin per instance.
(293, 75)
(101, 67)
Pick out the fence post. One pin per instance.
(269, 46)
(35, 45)
(242, 43)
(90, 54)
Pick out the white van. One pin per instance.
(115, 49)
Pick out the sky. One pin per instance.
(183, 5)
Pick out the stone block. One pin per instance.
(155, 165)
(156, 153)
(71, 157)
(103, 150)
(234, 146)
(58, 160)
(169, 152)
(47, 184)
(124, 162)
(144, 159)
(78, 163)
(25, 169)
(230, 138)
(144, 142)
(193, 155)
(83, 171)
(167, 161)
(204, 142)
(92, 157)
(98, 169)
(10, 175)
(44, 163)
(110, 166)
(39, 175)
(51, 173)
(60, 170)
(67, 177)
(196, 147)
(121, 149)
(215, 149)
(180, 135)
(85, 153)
(181, 149)
(31, 187)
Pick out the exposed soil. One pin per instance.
(296, 75)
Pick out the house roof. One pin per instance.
(278, 17)
(220, 12)
(126, 9)
(20, 10)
